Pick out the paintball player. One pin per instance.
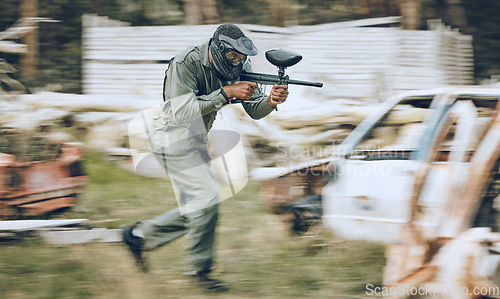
(199, 82)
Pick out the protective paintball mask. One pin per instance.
(229, 55)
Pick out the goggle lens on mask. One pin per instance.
(235, 58)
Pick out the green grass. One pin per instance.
(256, 254)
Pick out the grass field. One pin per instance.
(256, 254)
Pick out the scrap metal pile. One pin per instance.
(37, 176)
(451, 245)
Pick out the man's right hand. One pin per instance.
(242, 90)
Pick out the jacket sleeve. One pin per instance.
(261, 108)
(182, 80)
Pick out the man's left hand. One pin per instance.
(278, 95)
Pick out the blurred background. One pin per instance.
(66, 81)
(55, 49)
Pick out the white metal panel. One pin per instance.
(26, 225)
(349, 59)
(370, 199)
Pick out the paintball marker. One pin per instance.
(282, 59)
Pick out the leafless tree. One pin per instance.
(198, 12)
(456, 13)
(29, 9)
(278, 12)
(410, 13)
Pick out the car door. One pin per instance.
(447, 168)
(370, 196)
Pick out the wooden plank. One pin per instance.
(359, 61)
(139, 46)
(113, 91)
(26, 225)
(417, 82)
(341, 36)
(115, 75)
(350, 93)
(125, 66)
(262, 28)
(158, 43)
(97, 77)
(418, 85)
(348, 72)
(144, 71)
(323, 27)
(131, 89)
(351, 39)
(313, 53)
(99, 235)
(174, 31)
(100, 79)
(341, 47)
(340, 43)
(155, 57)
(370, 31)
(327, 67)
(92, 20)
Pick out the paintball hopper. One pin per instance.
(282, 58)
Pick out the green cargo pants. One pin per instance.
(197, 195)
(172, 225)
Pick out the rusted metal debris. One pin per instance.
(43, 186)
(280, 192)
(296, 195)
(452, 250)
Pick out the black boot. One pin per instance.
(136, 247)
(208, 283)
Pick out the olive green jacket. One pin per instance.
(190, 72)
(193, 95)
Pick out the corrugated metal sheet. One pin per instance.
(352, 61)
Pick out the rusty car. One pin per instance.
(37, 176)
(450, 246)
(377, 164)
(365, 186)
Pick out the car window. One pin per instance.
(485, 107)
(397, 134)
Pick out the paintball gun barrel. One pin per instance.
(267, 79)
(282, 59)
